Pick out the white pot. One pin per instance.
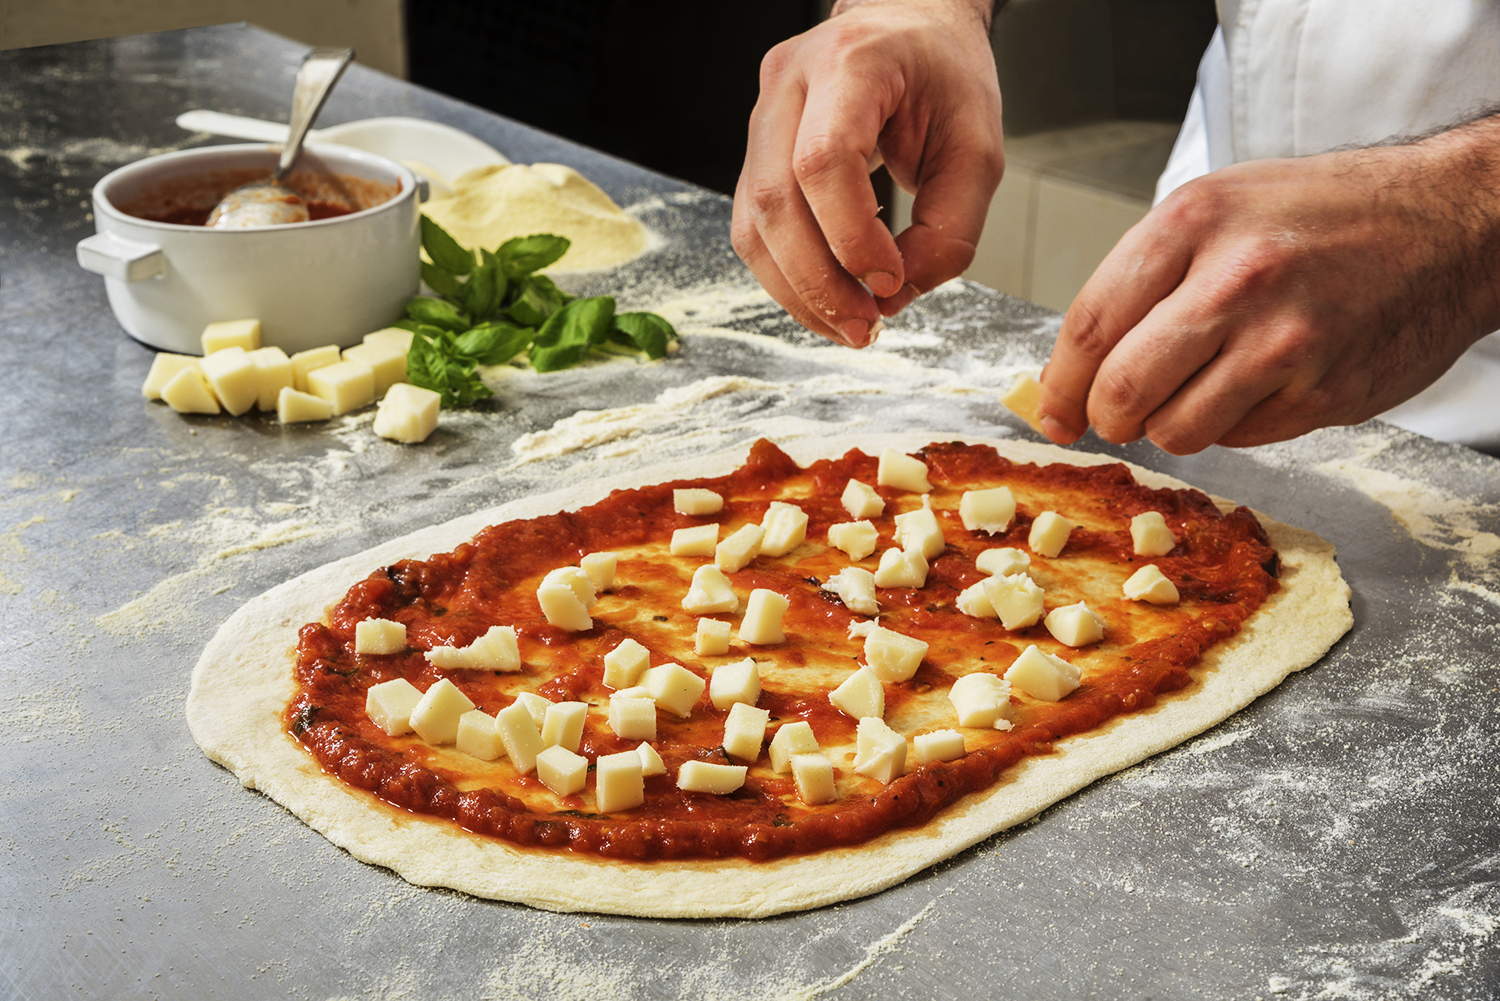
(328, 281)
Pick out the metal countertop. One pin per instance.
(1335, 840)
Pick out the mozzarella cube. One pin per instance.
(919, 530)
(561, 770)
(673, 688)
(496, 650)
(1049, 533)
(566, 595)
(812, 774)
(745, 731)
(892, 656)
(1024, 399)
(696, 501)
(990, 511)
(855, 587)
(856, 538)
(379, 636)
(903, 472)
(188, 392)
(387, 361)
(624, 665)
(784, 526)
(861, 500)
(763, 613)
(233, 376)
(163, 368)
(293, 407)
(1003, 562)
(396, 337)
(632, 718)
(1018, 600)
(695, 540)
(973, 601)
(243, 334)
(518, 733)
(880, 752)
(1043, 675)
(734, 684)
(273, 373)
(563, 724)
(477, 737)
(389, 705)
(901, 568)
(1149, 584)
(1075, 625)
(407, 414)
(618, 782)
(860, 695)
(651, 763)
(789, 740)
(306, 362)
(435, 716)
(704, 776)
(1150, 535)
(711, 638)
(348, 385)
(710, 592)
(981, 700)
(537, 705)
(742, 546)
(601, 569)
(940, 745)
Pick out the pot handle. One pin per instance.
(113, 257)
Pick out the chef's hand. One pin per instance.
(1274, 297)
(910, 83)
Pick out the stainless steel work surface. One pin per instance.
(1335, 840)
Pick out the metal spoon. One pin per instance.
(269, 202)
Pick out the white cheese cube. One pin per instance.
(892, 656)
(435, 716)
(981, 700)
(537, 705)
(1075, 625)
(696, 501)
(695, 540)
(742, 546)
(407, 414)
(387, 361)
(745, 731)
(784, 527)
(855, 587)
(1049, 533)
(789, 740)
(1024, 399)
(1150, 535)
(651, 763)
(940, 745)
(561, 770)
(860, 695)
(396, 337)
(566, 595)
(972, 601)
(293, 407)
(1003, 562)
(379, 636)
(633, 692)
(348, 385)
(632, 718)
(232, 374)
(518, 733)
(601, 569)
(188, 392)
(704, 776)
(1043, 675)
(901, 568)
(732, 684)
(674, 688)
(919, 530)
(389, 705)
(563, 724)
(163, 367)
(880, 752)
(861, 500)
(710, 592)
(496, 650)
(244, 334)
(477, 737)
(763, 613)
(856, 538)
(1149, 584)
(990, 511)
(903, 472)
(273, 373)
(711, 638)
(1018, 600)
(624, 665)
(305, 362)
(618, 782)
(812, 774)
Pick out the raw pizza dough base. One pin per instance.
(243, 682)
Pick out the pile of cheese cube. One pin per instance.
(236, 374)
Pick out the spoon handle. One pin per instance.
(315, 79)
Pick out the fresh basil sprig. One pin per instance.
(494, 307)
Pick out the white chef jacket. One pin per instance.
(1288, 78)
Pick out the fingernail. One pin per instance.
(855, 331)
(875, 331)
(882, 284)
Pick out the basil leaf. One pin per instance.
(537, 299)
(437, 313)
(446, 252)
(425, 365)
(483, 291)
(524, 255)
(647, 331)
(584, 322)
(550, 359)
(444, 283)
(494, 343)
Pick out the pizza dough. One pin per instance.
(243, 682)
